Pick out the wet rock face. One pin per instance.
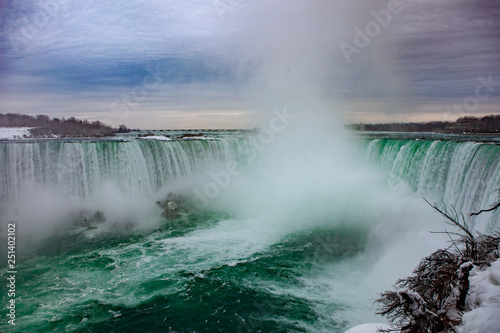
(170, 214)
(172, 206)
(88, 219)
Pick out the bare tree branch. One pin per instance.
(453, 217)
(486, 210)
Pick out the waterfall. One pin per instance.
(78, 168)
(463, 175)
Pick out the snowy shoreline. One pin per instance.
(483, 300)
(14, 133)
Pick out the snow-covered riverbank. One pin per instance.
(14, 133)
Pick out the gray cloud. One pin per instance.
(262, 52)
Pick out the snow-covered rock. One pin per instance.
(414, 300)
(484, 299)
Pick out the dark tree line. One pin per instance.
(468, 124)
(43, 126)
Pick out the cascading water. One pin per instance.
(79, 168)
(464, 175)
(314, 245)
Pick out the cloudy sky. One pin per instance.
(225, 63)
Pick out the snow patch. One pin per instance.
(166, 138)
(14, 133)
(369, 328)
(201, 137)
(495, 272)
(156, 137)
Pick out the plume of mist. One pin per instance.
(311, 176)
(292, 50)
(44, 211)
(289, 53)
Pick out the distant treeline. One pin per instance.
(468, 124)
(43, 126)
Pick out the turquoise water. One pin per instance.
(179, 279)
(219, 268)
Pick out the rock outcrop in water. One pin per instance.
(88, 219)
(172, 206)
